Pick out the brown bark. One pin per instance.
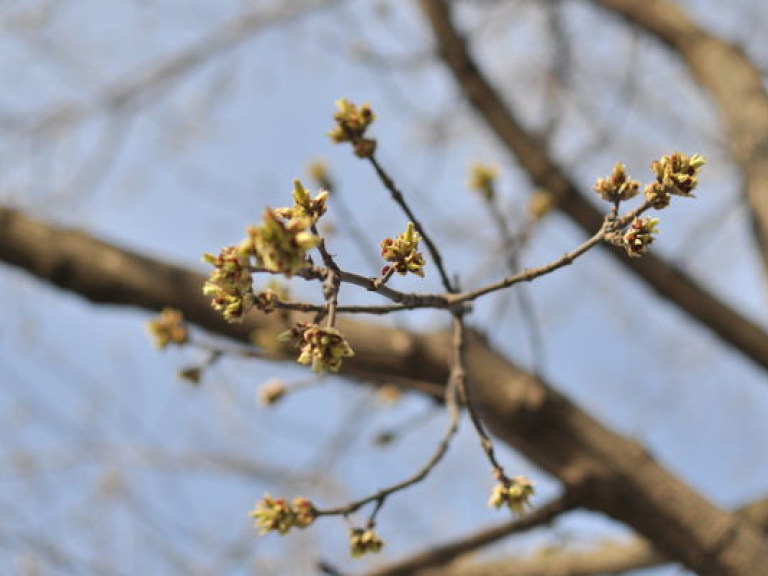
(604, 471)
(667, 280)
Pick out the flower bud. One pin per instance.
(515, 493)
(364, 540)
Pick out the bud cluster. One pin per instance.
(675, 174)
(482, 179)
(168, 328)
(618, 186)
(230, 284)
(322, 347)
(266, 301)
(403, 252)
(351, 123)
(305, 210)
(269, 299)
(541, 203)
(277, 515)
(514, 493)
(640, 235)
(364, 540)
(279, 245)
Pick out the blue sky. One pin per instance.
(108, 455)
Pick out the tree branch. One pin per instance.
(607, 558)
(603, 471)
(734, 83)
(152, 79)
(668, 281)
(441, 555)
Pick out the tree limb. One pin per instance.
(734, 83)
(154, 78)
(607, 558)
(439, 556)
(603, 471)
(667, 280)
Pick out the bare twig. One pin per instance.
(152, 80)
(410, 301)
(406, 300)
(399, 199)
(352, 226)
(512, 244)
(332, 281)
(668, 281)
(620, 478)
(533, 273)
(610, 224)
(307, 307)
(455, 382)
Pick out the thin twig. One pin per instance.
(609, 225)
(407, 300)
(512, 245)
(307, 307)
(332, 281)
(384, 278)
(351, 225)
(455, 380)
(399, 199)
(411, 301)
(153, 79)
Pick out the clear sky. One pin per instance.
(110, 459)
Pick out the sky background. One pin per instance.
(109, 464)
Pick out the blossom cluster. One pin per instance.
(230, 285)
(351, 121)
(322, 347)
(168, 328)
(676, 174)
(618, 186)
(515, 493)
(306, 210)
(640, 235)
(351, 124)
(279, 245)
(364, 540)
(277, 515)
(403, 252)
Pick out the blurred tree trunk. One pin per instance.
(602, 470)
(737, 88)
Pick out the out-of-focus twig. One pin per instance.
(150, 81)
